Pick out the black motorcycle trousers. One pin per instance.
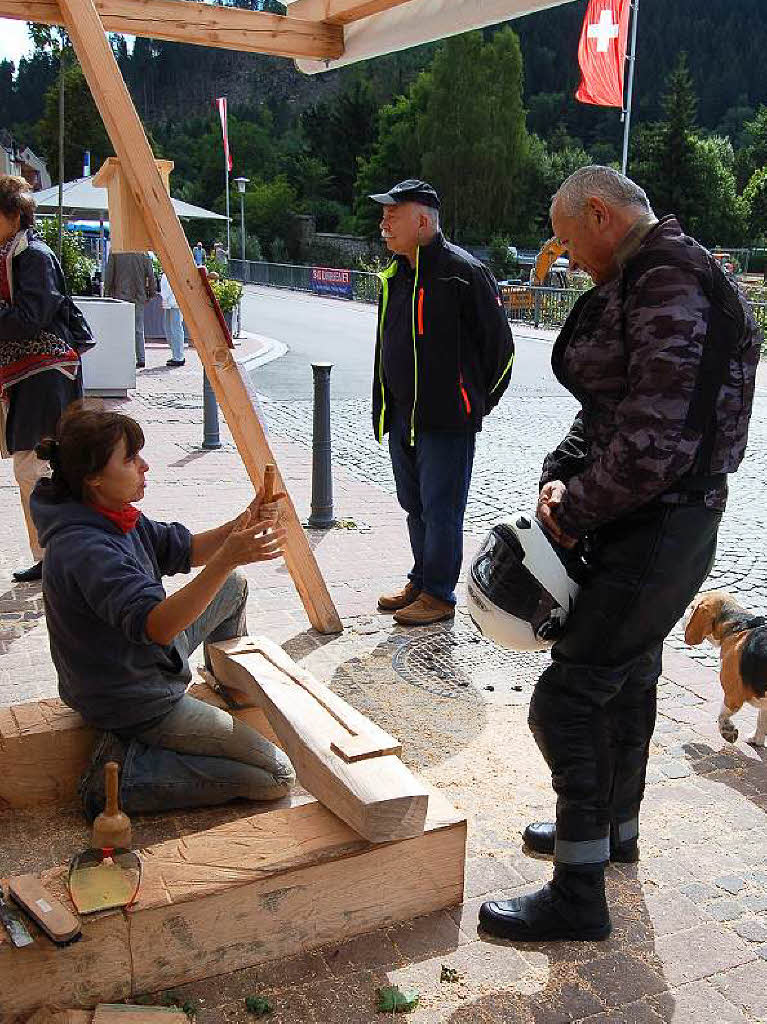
(593, 709)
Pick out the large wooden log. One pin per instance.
(181, 21)
(45, 748)
(209, 336)
(377, 796)
(261, 888)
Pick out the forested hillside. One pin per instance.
(490, 114)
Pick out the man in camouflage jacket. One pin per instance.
(662, 356)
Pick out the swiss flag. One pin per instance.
(602, 52)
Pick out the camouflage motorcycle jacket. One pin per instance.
(663, 360)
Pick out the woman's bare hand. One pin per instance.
(250, 542)
(258, 509)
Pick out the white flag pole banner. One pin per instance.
(414, 23)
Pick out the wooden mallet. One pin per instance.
(112, 828)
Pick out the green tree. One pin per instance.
(687, 174)
(396, 154)
(755, 196)
(753, 155)
(676, 149)
(473, 133)
(269, 208)
(83, 127)
(340, 132)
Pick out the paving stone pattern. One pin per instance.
(528, 423)
(689, 943)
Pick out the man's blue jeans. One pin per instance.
(432, 479)
(174, 332)
(197, 755)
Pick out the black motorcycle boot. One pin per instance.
(540, 835)
(571, 908)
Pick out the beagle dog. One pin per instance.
(742, 639)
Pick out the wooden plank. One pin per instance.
(132, 148)
(184, 22)
(379, 798)
(122, 1013)
(341, 12)
(361, 737)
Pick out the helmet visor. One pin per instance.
(499, 571)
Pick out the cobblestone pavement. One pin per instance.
(528, 423)
(689, 944)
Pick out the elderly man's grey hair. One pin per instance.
(602, 182)
(431, 215)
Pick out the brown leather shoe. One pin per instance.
(393, 602)
(425, 610)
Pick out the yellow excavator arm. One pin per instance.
(546, 259)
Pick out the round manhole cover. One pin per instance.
(451, 662)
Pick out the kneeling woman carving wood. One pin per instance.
(121, 646)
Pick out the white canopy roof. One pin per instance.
(82, 198)
(417, 22)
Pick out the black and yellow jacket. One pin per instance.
(462, 345)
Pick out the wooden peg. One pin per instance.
(270, 474)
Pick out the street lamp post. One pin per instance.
(241, 184)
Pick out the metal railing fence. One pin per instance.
(541, 307)
(364, 286)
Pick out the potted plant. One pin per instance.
(229, 295)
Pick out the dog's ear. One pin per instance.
(701, 623)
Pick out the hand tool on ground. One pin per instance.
(107, 875)
(17, 930)
(111, 828)
(58, 923)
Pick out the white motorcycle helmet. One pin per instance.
(520, 592)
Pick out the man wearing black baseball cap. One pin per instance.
(443, 359)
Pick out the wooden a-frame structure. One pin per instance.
(314, 33)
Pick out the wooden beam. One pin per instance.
(378, 797)
(45, 747)
(359, 738)
(169, 242)
(249, 891)
(341, 12)
(182, 21)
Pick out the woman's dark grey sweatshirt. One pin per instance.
(99, 586)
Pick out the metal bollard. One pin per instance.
(210, 437)
(322, 475)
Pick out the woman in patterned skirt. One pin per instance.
(42, 335)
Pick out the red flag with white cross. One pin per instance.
(602, 52)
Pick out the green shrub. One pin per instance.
(228, 293)
(77, 265)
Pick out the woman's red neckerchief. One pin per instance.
(124, 519)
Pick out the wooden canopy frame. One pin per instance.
(314, 29)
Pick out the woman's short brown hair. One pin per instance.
(84, 442)
(16, 196)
